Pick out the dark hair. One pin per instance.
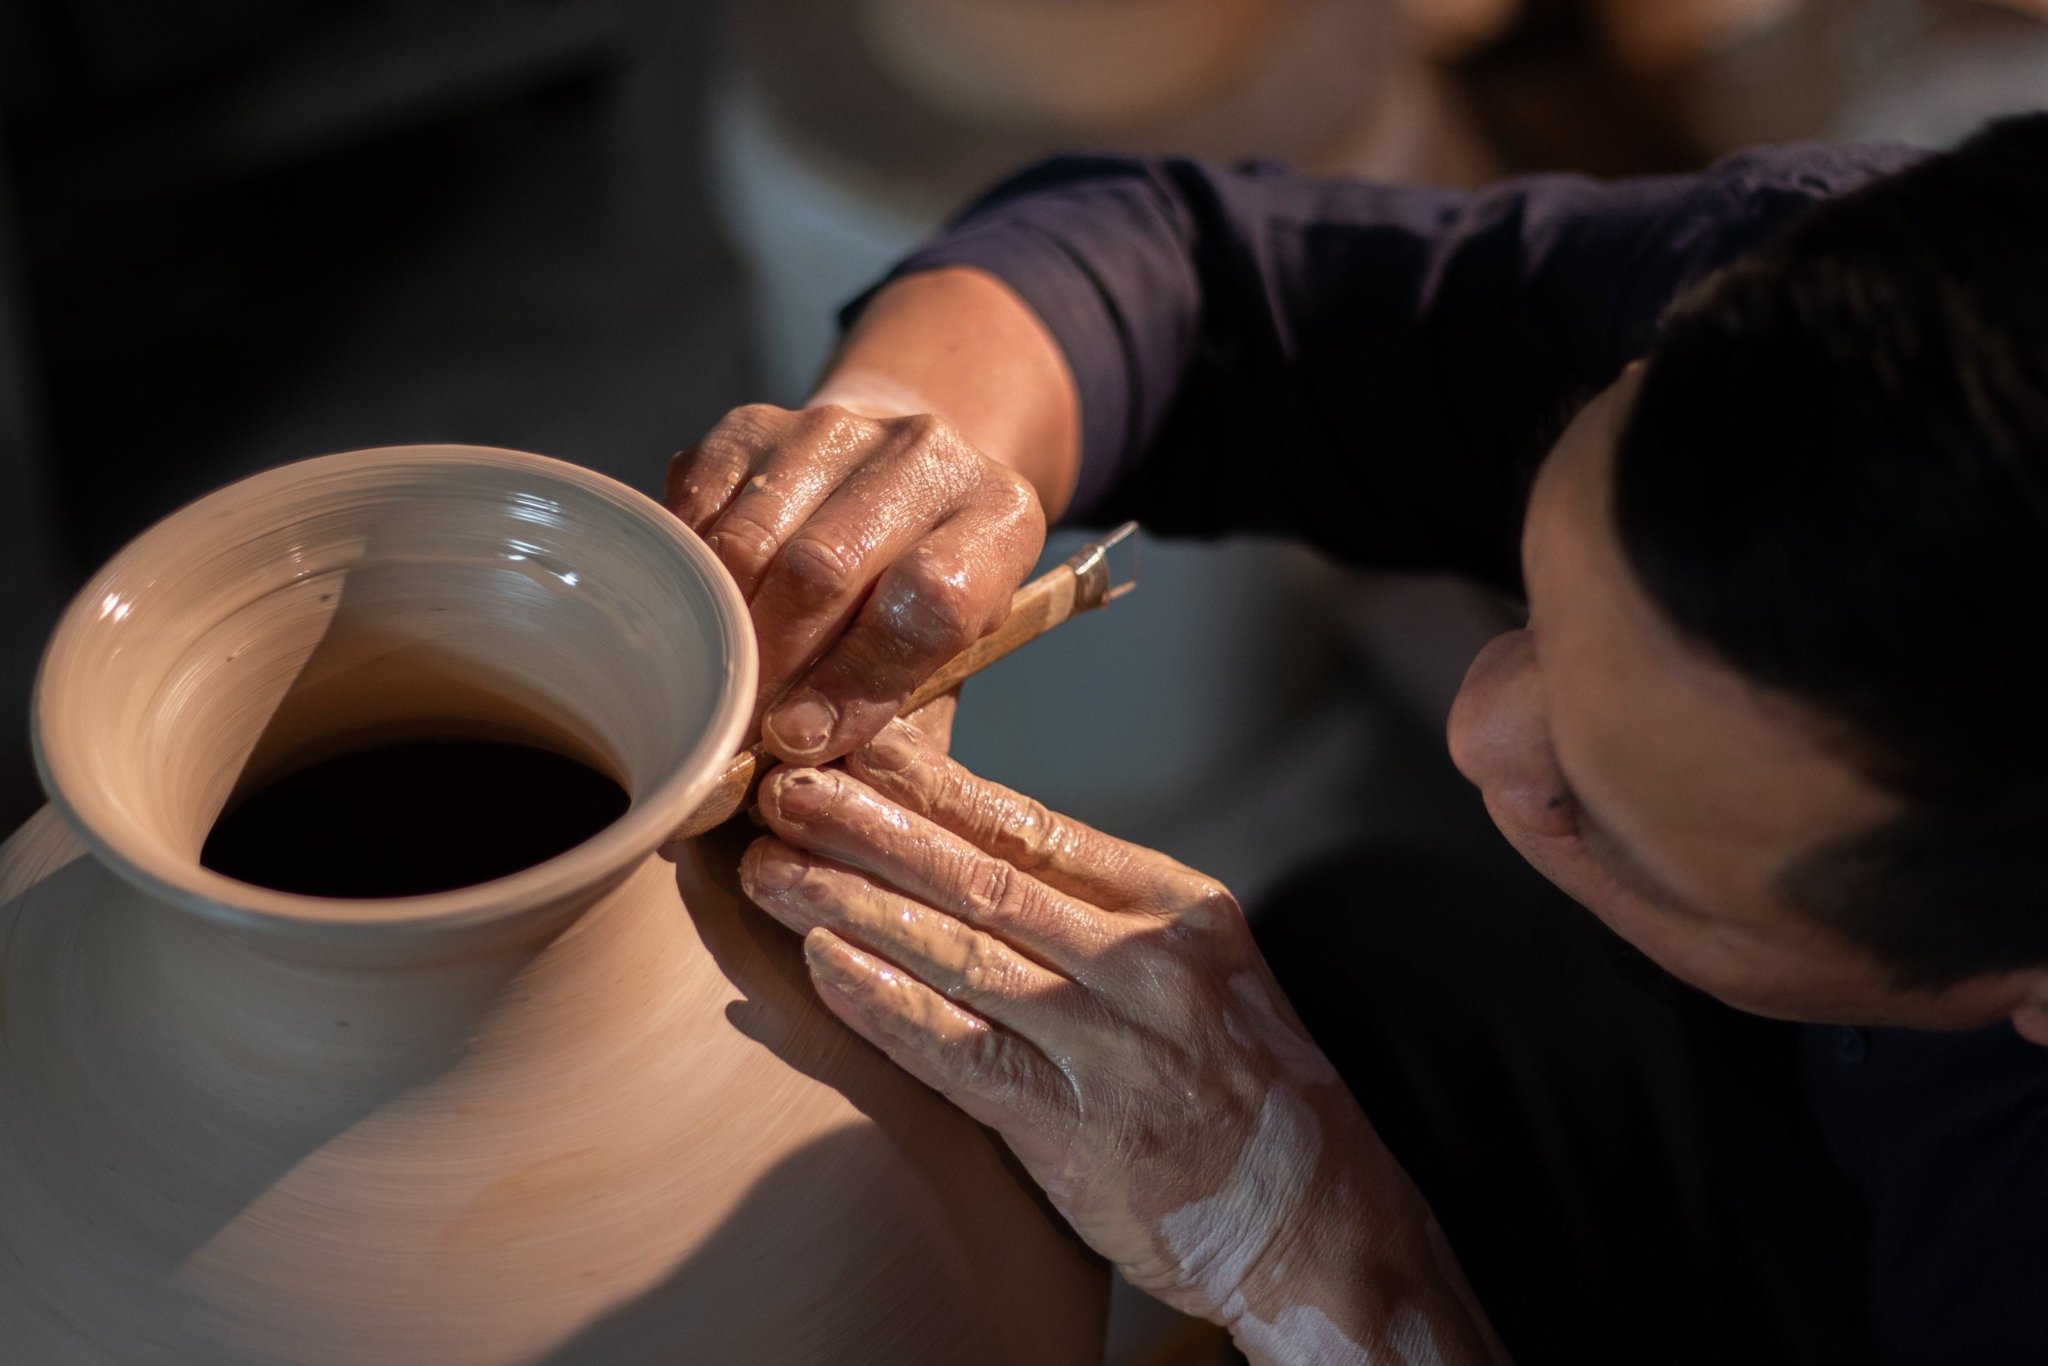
(1835, 479)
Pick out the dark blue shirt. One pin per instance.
(1394, 360)
(1391, 363)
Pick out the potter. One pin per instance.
(1762, 449)
(583, 1111)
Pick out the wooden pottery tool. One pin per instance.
(1080, 584)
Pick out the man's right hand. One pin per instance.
(881, 530)
(872, 550)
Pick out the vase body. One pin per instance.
(587, 1112)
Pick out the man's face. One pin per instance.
(1662, 790)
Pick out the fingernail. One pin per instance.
(893, 750)
(831, 957)
(773, 872)
(802, 793)
(802, 724)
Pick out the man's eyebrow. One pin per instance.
(1624, 865)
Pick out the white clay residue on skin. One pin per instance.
(1222, 1235)
(1305, 1334)
(1412, 1340)
(1219, 1237)
(1302, 1333)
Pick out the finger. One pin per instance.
(831, 814)
(904, 768)
(996, 1077)
(904, 491)
(703, 479)
(927, 606)
(934, 720)
(966, 966)
(792, 477)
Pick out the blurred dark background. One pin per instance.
(240, 232)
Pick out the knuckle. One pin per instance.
(741, 435)
(819, 566)
(991, 1067)
(702, 476)
(722, 445)
(933, 606)
(991, 883)
(1207, 901)
(838, 430)
(1025, 834)
(717, 458)
(756, 421)
(744, 542)
(1012, 498)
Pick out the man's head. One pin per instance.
(1773, 718)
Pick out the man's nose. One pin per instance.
(1500, 737)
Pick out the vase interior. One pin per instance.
(377, 596)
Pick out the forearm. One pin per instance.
(959, 344)
(1364, 1278)
(1240, 335)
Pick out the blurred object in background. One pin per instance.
(1653, 35)
(1739, 72)
(1450, 29)
(846, 130)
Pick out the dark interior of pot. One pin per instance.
(454, 668)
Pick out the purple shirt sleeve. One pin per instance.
(1374, 368)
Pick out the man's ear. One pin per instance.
(2031, 1018)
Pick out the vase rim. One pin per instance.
(644, 827)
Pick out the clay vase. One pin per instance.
(589, 1111)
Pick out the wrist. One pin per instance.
(1362, 1275)
(869, 393)
(961, 345)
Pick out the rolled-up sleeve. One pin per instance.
(1373, 368)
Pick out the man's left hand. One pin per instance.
(1104, 1009)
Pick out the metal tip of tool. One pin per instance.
(1091, 565)
(1120, 535)
(1123, 566)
